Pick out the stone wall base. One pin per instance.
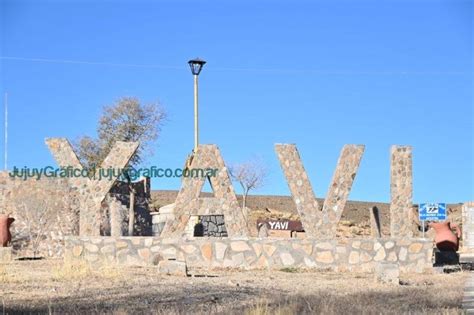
(411, 254)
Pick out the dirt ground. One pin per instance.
(51, 286)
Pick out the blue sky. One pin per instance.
(320, 74)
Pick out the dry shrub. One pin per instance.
(365, 302)
(42, 218)
(8, 274)
(262, 307)
(37, 215)
(72, 271)
(4, 275)
(79, 270)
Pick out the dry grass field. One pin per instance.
(52, 287)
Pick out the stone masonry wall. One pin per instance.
(468, 227)
(213, 225)
(413, 255)
(49, 207)
(45, 209)
(401, 191)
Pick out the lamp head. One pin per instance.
(196, 65)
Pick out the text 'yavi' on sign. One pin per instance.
(282, 225)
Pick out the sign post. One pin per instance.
(431, 212)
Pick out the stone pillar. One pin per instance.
(401, 192)
(468, 227)
(375, 225)
(146, 186)
(189, 230)
(116, 217)
(263, 230)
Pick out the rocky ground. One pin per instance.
(50, 286)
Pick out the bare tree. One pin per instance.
(126, 120)
(36, 216)
(251, 176)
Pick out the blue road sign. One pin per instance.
(432, 212)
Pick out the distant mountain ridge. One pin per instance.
(355, 212)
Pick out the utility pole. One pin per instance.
(5, 166)
(196, 67)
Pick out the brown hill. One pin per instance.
(355, 217)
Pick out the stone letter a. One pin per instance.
(187, 201)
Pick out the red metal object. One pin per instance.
(445, 238)
(5, 236)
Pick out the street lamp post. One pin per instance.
(196, 67)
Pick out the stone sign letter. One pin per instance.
(187, 201)
(320, 224)
(91, 192)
